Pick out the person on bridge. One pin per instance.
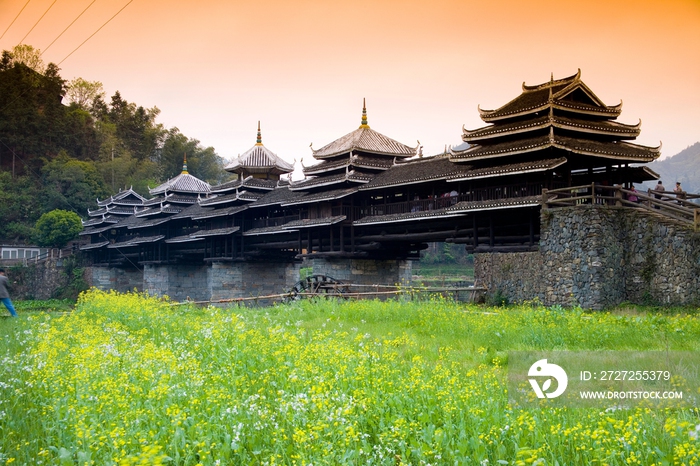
(680, 194)
(4, 295)
(660, 189)
(632, 197)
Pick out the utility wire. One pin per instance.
(76, 19)
(64, 59)
(98, 30)
(37, 22)
(13, 21)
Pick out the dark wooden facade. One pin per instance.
(370, 196)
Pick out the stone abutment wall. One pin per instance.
(596, 257)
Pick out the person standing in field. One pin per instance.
(4, 295)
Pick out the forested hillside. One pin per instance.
(683, 167)
(62, 145)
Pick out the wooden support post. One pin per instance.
(618, 197)
(696, 219)
(491, 233)
(545, 198)
(592, 193)
(476, 232)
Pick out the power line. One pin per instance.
(98, 30)
(13, 21)
(76, 19)
(37, 22)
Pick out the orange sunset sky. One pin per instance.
(302, 67)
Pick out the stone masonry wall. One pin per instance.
(178, 282)
(229, 280)
(113, 278)
(597, 257)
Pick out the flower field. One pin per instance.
(128, 379)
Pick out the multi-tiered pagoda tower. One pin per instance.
(565, 126)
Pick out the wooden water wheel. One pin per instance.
(317, 285)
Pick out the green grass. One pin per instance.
(127, 379)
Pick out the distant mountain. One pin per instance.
(683, 167)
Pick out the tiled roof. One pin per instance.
(86, 247)
(191, 212)
(149, 223)
(94, 231)
(275, 197)
(417, 171)
(215, 232)
(223, 212)
(182, 239)
(249, 182)
(130, 221)
(322, 196)
(364, 139)
(604, 127)
(610, 150)
(313, 222)
(537, 98)
(183, 183)
(127, 197)
(224, 199)
(165, 209)
(509, 169)
(183, 199)
(201, 234)
(259, 159)
(135, 241)
(267, 231)
(363, 161)
(356, 175)
(98, 221)
(456, 210)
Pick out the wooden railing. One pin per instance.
(671, 204)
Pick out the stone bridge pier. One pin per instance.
(597, 257)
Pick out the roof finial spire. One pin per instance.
(364, 115)
(551, 79)
(258, 142)
(184, 165)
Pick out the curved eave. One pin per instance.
(491, 116)
(473, 136)
(479, 152)
(608, 111)
(613, 129)
(326, 167)
(615, 150)
(329, 181)
(638, 153)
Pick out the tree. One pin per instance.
(54, 229)
(72, 183)
(202, 162)
(84, 93)
(28, 56)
